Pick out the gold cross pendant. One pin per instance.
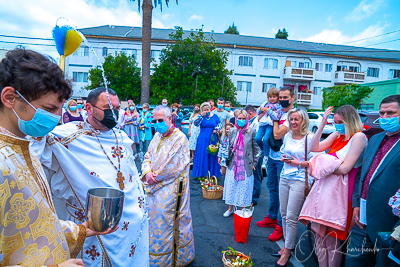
(120, 180)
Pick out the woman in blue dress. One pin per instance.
(203, 162)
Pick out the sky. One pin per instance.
(333, 22)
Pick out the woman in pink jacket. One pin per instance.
(348, 137)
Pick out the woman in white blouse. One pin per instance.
(292, 180)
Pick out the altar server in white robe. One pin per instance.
(83, 155)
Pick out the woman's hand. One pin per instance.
(203, 113)
(328, 112)
(292, 162)
(173, 113)
(90, 232)
(219, 161)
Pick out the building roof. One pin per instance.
(250, 42)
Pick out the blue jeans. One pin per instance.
(274, 169)
(257, 182)
(262, 137)
(360, 241)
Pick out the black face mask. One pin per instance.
(108, 120)
(284, 103)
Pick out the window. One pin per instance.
(270, 63)
(130, 52)
(313, 116)
(246, 61)
(319, 66)
(373, 72)
(354, 69)
(244, 86)
(105, 51)
(293, 63)
(394, 74)
(155, 54)
(328, 67)
(304, 65)
(317, 91)
(80, 76)
(267, 86)
(82, 51)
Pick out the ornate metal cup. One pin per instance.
(104, 208)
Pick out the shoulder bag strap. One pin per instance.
(306, 169)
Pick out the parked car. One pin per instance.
(315, 121)
(370, 120)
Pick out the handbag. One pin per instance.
(213, 149)
(274, 144)
(308, 187)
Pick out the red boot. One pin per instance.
(277, 234)
(267, 222)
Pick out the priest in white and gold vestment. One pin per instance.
(82, 155)
(166, 171)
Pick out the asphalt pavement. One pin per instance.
(214, 233)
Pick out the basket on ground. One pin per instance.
(230, 257)
(212, 190)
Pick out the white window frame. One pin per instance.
(319, 66)
(245, 61)
(80, 76)
(373, 72)
(266, 86)
(270, 63)
(328, 66)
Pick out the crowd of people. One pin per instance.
(344, 186)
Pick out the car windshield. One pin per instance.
(363, 117)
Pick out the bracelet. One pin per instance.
(300, 165)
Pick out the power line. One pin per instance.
(371, 37)
(7, 42)
(23, 37)
(385, 42)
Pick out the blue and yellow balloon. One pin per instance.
(67, 41)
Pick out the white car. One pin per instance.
(315, 121)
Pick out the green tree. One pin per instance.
(191, 71)
(122, 75)
(147, 8)
(340, 95)
(232, 30)
(282, 34)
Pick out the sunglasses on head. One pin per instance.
(159, 120)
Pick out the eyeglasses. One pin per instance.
(159, 120)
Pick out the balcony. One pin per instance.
(346, 77)
(304, 98)
(298, 74)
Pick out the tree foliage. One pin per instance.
(340, 95)
(282, 34)
(122, 74)
(232, 30)
(191, 71)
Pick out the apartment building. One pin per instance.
(258, 63)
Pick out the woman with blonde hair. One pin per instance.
(243, 150)
(72, 113)
(293, 178)
(131, 121)
(348, 137)
(205, 162)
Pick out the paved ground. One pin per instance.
(213, 233)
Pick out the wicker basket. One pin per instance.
(225, 259)
(213, 193)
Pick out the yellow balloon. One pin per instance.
(72, 42)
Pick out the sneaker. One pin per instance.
(267, 222)
(259, 154)
(277, 234)
(264, 163)
(228, 213)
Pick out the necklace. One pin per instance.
(120, 177)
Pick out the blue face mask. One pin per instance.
(228, 109)
(72, 108)
(79, 106)
(220, 106)
(161, 127)
(164, 104)
(41, 124)
(131, 108)
(389, 125)
(208, 114)
(340, 128)
(241, 123)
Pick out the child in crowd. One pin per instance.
(268, 112)
(223, 148)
